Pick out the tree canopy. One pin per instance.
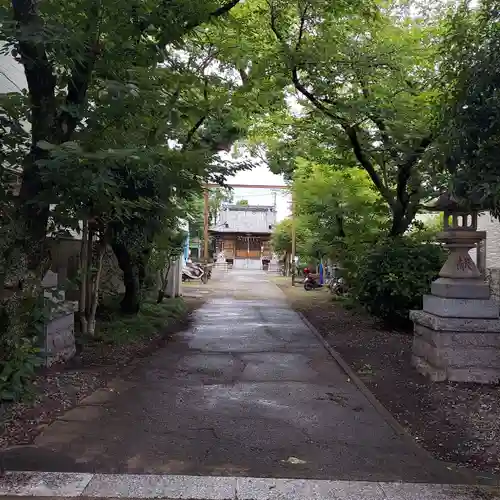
(129, 108)
(363, 86)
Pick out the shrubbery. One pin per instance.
(390, 277)
(21, 327)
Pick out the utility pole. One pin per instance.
(293, 241)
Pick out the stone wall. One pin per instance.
(60, 335)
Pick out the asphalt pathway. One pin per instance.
(248, 390)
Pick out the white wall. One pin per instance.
(492, 227)
(12, 77)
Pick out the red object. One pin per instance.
(306, 270)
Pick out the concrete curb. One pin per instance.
(177, 487)
(469, 477)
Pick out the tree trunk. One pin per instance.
(84, 258)
(340, 226)
(90, 262)
(164, 283)
(33, 217)
(130, 303)
(161, 295)
(402, 217)
(95, 290)
(141, 264)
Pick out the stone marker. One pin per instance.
(58, 343)
(457, 335)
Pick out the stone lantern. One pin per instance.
(457, 334)
(459, 235)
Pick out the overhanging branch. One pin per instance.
(193, 131)
(365, 162)
(404, 170)
(224, 9)
(219, 12)
(315, 101)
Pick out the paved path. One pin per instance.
(249, 390)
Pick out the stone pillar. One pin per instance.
(457, 335)
(174, 279)
(59, 331)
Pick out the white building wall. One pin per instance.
(492, 227)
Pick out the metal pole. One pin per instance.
(293, 241)
(204, 278)
(248, 251)
(205, 227)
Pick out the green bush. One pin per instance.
(393, 275)
(21, 324)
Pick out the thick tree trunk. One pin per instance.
(130, 303)
(340, 226)
(402, 217)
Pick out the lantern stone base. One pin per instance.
(456, 349)
(460, 308)
(460, 289)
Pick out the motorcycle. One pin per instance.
(193, 271)
(338, 286)
(310, 283)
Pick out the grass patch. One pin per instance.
(117, 329)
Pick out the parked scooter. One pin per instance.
(338, 286)
(310, 282)
(194, 271)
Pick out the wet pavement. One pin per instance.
(248, 390)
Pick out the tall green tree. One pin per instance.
(305, 239)
(365, 79)
(338, 203)
(471, 117)
(62, 48)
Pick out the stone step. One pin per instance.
(173, 487)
